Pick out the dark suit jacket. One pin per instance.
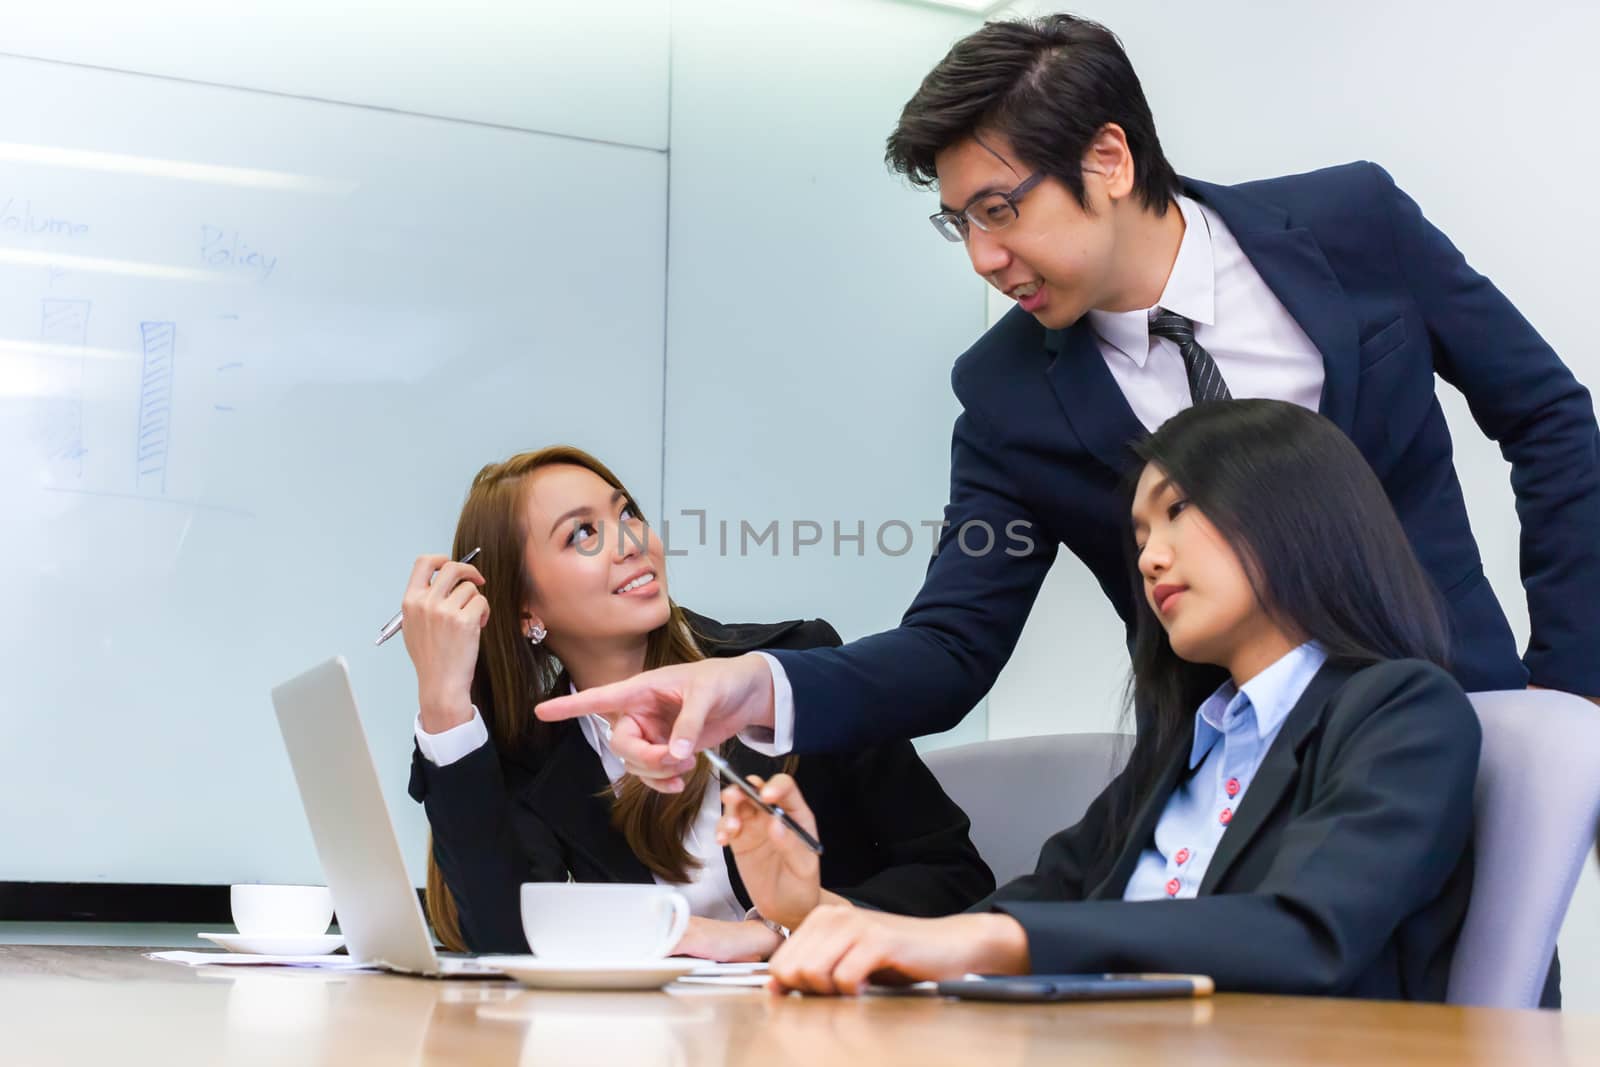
(1043, 441)
(1346, 871)
(893, 840)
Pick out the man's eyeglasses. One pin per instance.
(990, 212)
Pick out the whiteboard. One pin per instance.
(252, 350)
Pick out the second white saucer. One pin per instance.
(313, 945)
(592, 974)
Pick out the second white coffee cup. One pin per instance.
(602, 921)
(281, 910)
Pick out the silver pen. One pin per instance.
(731, 776)
(392, 627)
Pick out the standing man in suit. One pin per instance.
(1140, 293)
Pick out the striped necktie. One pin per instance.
(1205, 380)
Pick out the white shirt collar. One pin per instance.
(1191, 291)
(598, 723)
(596, 728)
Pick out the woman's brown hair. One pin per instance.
(512, 674)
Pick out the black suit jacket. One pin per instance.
(893, 839)
(1346, 871)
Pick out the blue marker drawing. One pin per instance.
(227, 384)
(66, 322)
(155, 405)
(226, 249)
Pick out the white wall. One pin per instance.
(596, 71)
(1478, 111)
(813, 313)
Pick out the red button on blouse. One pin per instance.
(1182, 857)
(1233, 787)
(1226, 817)
(1173, 887)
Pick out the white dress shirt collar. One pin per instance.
(1191, 291)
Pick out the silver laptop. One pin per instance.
(378, 910)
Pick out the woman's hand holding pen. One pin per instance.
(442, 622)
(782, 875)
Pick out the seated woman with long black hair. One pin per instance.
(1296, 813)
(570, 591)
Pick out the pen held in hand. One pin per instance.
(392, 627)
(731, 776)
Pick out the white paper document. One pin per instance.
(243, 959)
(747, 974)
(749, 981)
(709, 968)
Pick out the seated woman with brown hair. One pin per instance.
(569, 591)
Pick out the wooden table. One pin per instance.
(75, 1005)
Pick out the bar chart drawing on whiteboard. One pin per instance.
(154, 443)
(65, 323)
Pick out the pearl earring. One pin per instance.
(536, 634)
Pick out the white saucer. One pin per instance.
(313, 945)
(592, 974)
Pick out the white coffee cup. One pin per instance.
(604, 921)
(281, 910)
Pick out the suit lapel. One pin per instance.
(1089, 396)
(572, 770)
(1291, 262)
(1278, 771)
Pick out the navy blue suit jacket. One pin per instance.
(1041, 448)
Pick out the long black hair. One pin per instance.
(1314, 530)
